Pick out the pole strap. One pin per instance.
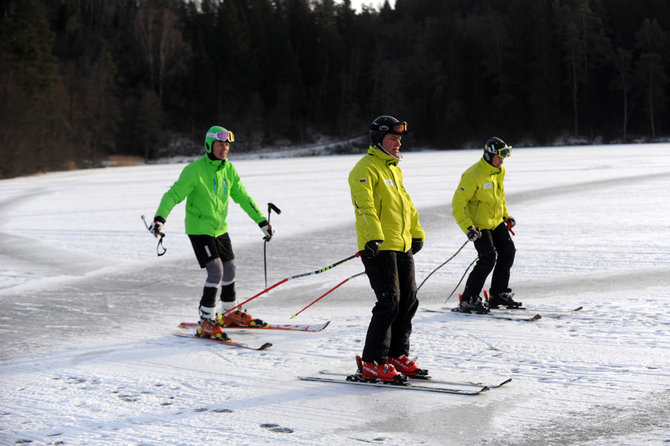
(160, 249)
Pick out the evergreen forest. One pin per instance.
(83, 80)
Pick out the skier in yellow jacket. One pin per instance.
(480, 209)
(389, 234)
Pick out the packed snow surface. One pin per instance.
(89, 310)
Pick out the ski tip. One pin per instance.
(265, 346)
(578, 309)
(536, 317)
(505, 382)
(293, 316)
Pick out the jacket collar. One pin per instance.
(216, 163)
(490, 169)
(382, 154)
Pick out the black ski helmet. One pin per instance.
(496, 146)
(383, 125)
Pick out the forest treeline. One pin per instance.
(85, 79)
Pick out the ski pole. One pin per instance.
(447, 261)
(327, 293)
(271, 207)
(311, 273)
(459, 282)
(159, 246)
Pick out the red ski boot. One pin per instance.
(372, 371)
(240, 318)
(407, 366)
(211, 328)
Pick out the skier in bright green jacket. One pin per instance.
(480, 209)
(207, 184)
(389, 234)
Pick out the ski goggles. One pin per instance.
(505, 152)
(397, 129)
(226, 135)
(400, 128)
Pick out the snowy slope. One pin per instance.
(88, 354)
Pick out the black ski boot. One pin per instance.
(471, 305)
(505, 299)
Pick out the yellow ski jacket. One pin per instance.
(479, 199)
(384, 210)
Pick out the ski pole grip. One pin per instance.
(509, 227)
(271, 206)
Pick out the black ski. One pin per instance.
(537, 317)
(546, 313)
(502, 316)
(504, 310)
(229, 343)
(353, 379)
(461, 383)
(431, 380)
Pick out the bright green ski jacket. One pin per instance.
(479, 199)
(384, 211)
(208, 185)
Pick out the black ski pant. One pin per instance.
(391, 275)
(496, 252)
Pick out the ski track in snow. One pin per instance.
(103, 368)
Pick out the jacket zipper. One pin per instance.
(402, 205)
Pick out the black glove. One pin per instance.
(417, 244)
(371, 249)
(510, 222)
(267, 230)
(156, 227)
(474, 233)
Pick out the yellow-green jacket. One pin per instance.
(479, 199)
(384, 211)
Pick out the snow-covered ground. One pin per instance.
(88, 310)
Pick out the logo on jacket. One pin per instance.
(488, 185)
(362, 180)
(389, 182)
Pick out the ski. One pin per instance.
(431, 380)
(502, 316)
(464, 383)
(545, 313)
(534, 318)
(313, 328)
(229, 343)
(511, 310)
(352, 379)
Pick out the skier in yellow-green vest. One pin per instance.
(389, 234)
(207, 184)
(480, 209)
